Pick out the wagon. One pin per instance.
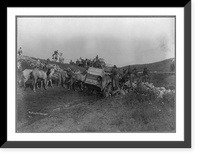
(93, 80)
(94, 76)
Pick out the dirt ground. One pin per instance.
(60, 110)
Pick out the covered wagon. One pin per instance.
(96, 80)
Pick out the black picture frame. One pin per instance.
(127, 144)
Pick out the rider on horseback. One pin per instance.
(19, 52)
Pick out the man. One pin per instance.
(48, 60)
(81, 61)
(55, 56)
(135, 71)
(145, 74)
(46, 65)
(19, 52)
(130, 76)
(38, 63)
(129, 70)
(115, 77)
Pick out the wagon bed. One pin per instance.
(93, 76)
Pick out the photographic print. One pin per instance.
(95, 74)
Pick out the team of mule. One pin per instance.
(67, 78)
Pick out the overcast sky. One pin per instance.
(120, 41)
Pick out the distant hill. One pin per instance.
(161, 66)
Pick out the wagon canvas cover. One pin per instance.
(96, 71)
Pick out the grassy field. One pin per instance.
(167, 80)
(71, 111)
(66, 111)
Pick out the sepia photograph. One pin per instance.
(95, 74)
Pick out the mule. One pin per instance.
(60, 78)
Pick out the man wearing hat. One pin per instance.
(115, 77)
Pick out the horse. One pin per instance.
(56, 77)
(60, 77)
(19, 66)
(25, 76)
(42, 75)
(19, 72)
(78, 78)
